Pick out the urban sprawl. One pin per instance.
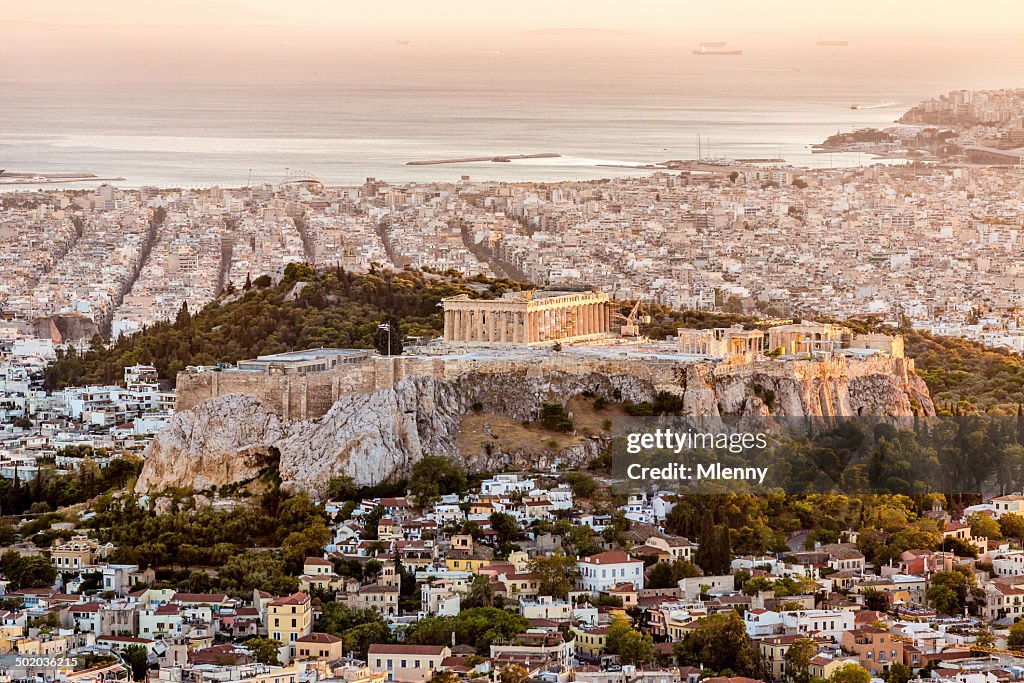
(529, 576)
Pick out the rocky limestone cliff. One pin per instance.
(375, 436)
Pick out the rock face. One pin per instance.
(215, 443)
(378, 435)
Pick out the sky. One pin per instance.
(655, 16)
(46, 40)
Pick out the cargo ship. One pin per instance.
(717, 49)
(833, 43)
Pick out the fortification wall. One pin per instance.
(302, 397)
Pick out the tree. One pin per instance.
(582, 484)
(309, 542)
(617, 630)
(875, 599)
(554, 418)
(342, 488)
(137, 659)
(513, 673)
(944, 600)
(668, 574)
(631, 646)
(720, 643)
(984, 638)
(1015, 641)
(336, 618)
(480, 593)
(241, 573)
(949, 590)
(899, 673)
(371, 522)
(850, 673)
(798, 660)
(33, 571)
(358, 639)
(958, 547)
(265, 650)
(983, 525)
(505, 526)
(434, 476)
(446, 676)
(714, 554)
(183, 319)
(1011, 525)
(478, 627)
(556, 573)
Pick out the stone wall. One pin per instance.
(309, 396)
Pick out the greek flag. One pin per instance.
(384, 326)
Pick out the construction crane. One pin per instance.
(632, 322)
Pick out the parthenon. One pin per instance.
(523, 318)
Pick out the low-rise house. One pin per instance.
(407, 663)
(1009, 504)
(538, 645)
(288, 619)
(382, 598)
(440, 598)
(318, 646)
(824, 665)
(874, 647)
(603, 571)
(590, 642)
(761, 623)
(85, 616)
(78, 553)
(828, 623)
(545, 607)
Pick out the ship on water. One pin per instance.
(833, 43)
(716, 49)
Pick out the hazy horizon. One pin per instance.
(205, 91)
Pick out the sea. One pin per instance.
(345, 115)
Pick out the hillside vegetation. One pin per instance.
(965, 377)
(306, 309)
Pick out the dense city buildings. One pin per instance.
(934, 245)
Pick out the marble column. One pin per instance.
(447, 325)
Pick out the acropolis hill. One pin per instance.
(331, 412)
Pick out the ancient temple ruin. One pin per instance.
(524, 318)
